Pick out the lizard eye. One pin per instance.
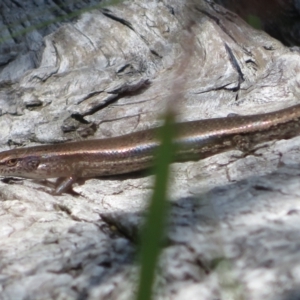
(11, 162)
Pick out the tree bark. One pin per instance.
(113, 71)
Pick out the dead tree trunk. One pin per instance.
(112, 71)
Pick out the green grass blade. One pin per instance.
(153, 232)
(254, 21)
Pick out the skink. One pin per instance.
(134, 151)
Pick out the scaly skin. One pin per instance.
(135, 151)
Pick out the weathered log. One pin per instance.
(113, 71)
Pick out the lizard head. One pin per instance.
(15, 163)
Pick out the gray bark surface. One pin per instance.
(114, 71)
